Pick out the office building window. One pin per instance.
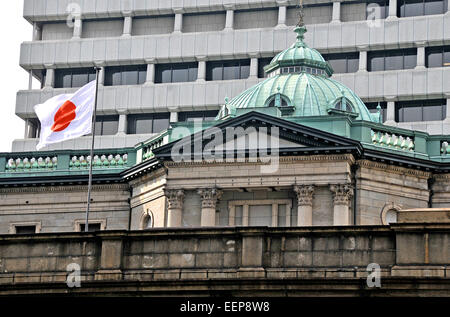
(226, 70)
(25, 229)
(411, 8)
(176, 73)
(392, 59)
(106, 125)
(262, 62)
(378, 9)
(420, 110)
(199, 115)
(438, 56)
(73, 77)
(125, 75)
(148, 123)
(373, 108)
(34, 128)
(343, 62)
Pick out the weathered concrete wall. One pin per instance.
(418, 252)
(441, 191)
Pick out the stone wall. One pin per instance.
(323, 256)
(441, 191)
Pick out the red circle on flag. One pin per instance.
(64, 116)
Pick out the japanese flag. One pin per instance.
(67, 116)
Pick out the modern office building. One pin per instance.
(174, 61)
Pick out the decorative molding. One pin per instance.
(61, 188)
(305, 194)
(209, 197)
(13, 225)
(392, 168)
(147, 215)
(389, 207)
(78, 222)
(175, 198)
(342, 193)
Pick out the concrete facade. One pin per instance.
(183, 31)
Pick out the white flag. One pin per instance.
(67, 116)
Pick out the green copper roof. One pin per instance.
(299, 54)
(298, 84)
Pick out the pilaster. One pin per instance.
(175, 198)
(304, 204)
(209, 197)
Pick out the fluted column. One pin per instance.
(209, 197)
(304, 204)
(175, 198)
(342, 194)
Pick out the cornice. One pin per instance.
(59, 188)
(393, 168)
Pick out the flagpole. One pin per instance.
(94, 116)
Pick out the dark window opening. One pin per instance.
(196, 115)
(392, 59)
(438, 56)
(343, 62)
(106, 125)
(125, 75)
(148, 123)
(411, 8)
(372, 107)
(25, 229)
(91, 228)
(227, 70)
(420, 110)
(34, 128)
(74, 77)
(176, 73)
(262, 62)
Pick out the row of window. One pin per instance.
(414, 111)
(240, 69)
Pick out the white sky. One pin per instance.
(14, 30)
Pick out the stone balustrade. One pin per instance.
(392, 140)
(100, 161)
(31, 164)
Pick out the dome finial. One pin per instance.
(300, 15)
(300, 29)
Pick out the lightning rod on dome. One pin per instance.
(300, 14)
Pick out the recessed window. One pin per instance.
(25, 229)
(92, 227)
(106, 125)
(197, 115)
(420, 110)
(148, 123)
(74, 77)
(343, 62)
(125, 75)
(438, 56)
(373, 108)
(392, 59)
(34, 128)
(262, 62)
(227, 70)
(411, 8)
(176, 73)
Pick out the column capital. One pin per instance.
(175, 198)
(342, 193)
(209, 196)
(304, 194)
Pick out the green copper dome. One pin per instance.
(298, 84)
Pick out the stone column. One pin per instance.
(336, 16)
(178, 26)
(150, 79)
(50, 78)
(127, 25)
(304, 204)
(342, 199)
(122, 130)
(282, 10)
(420, 64)
(390, 113)
(392, 10)
(77, 29)
(362, 59)
(229, 21)
(209, 197)
(37, 32)
(175, 198)
(253, 67)
(174, 116)
(201, 73)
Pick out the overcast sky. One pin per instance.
(14, 29)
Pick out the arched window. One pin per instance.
(343, 105)
(283, 102)
(389, 213)
(147, 221)
(278, 100)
